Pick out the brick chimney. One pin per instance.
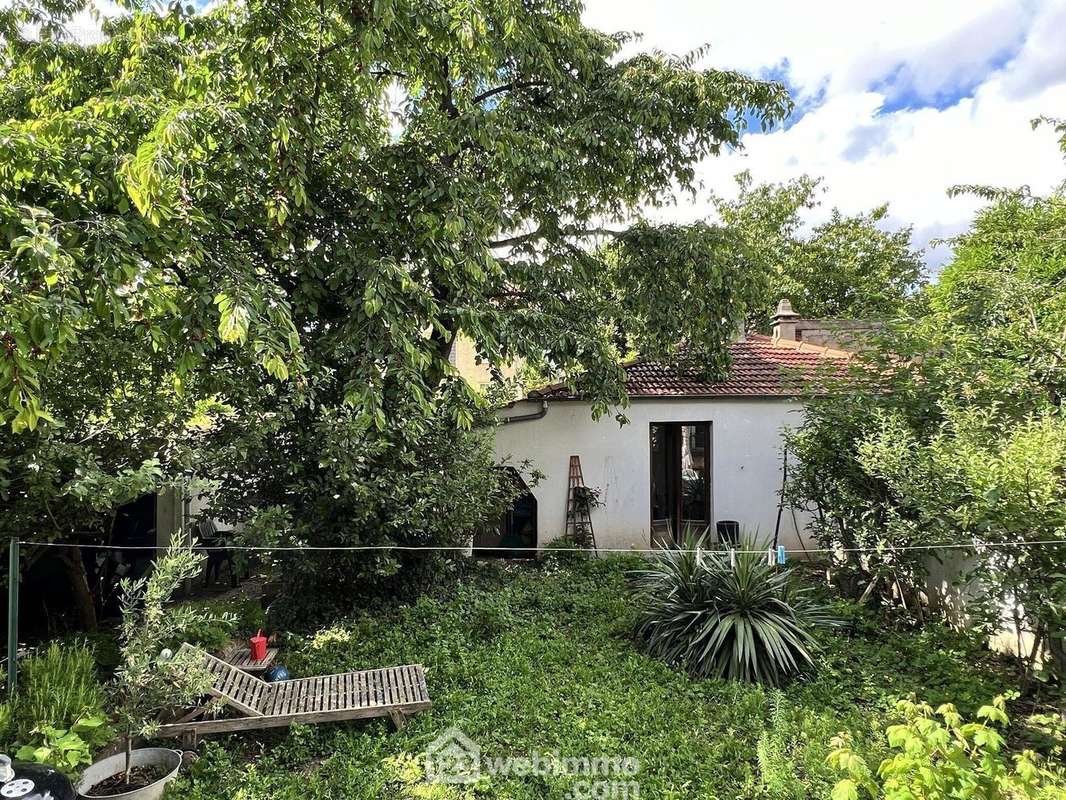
(785, 321)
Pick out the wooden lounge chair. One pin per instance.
(393, 692)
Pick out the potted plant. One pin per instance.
(150, 680)
(587, 498)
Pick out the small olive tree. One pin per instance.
(151, 680)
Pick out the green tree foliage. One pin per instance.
(854, 511)
(336, 482)
(954, 431)
(127, 428)
(208, 179)
(847, 267)
(288, 211)
(999, 482)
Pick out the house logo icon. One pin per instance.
(452, 758)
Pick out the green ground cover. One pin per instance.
(538, 659)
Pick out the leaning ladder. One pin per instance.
(578, 520)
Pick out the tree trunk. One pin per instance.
(79, 584)
(1030, 662)
(1056, 645)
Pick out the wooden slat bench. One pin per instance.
(392, 692)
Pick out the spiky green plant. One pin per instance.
(59, 686)
(750, 622)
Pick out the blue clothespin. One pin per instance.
(780, 554)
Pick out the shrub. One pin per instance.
(937, 760)
(563, 552)
(337, 484)
(749, 622)
(57, 717)
(221, 620)
(67, 749)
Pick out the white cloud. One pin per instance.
(1042, 61)
(839, 43)
(964, 80)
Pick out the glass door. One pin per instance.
(680, 478)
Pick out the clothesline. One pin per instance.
(635, 551)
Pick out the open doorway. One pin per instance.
(516, 533)
(680, 477)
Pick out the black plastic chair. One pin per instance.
(728, 531)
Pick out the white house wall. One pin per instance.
(746, 465)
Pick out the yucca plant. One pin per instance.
(751, 621)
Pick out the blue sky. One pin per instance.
(896, 102)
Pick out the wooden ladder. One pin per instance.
(578, 520)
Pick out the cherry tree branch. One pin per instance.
(540, 233)
(507, 87)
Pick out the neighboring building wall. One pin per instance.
(949, 593)
(838, 334)
(463, 356)
(168, 516)
(175, 509)
(746, 465)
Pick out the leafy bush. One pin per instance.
(67, 749)
(749, 622)
(57, 717)
(221, 620)
(938, 760)
(337, 483)
(210, 634)
(563, 551)
(961, 437)
(854, 514)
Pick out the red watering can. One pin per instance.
(258, 646)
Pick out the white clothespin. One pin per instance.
(732, 558)
(770, 556)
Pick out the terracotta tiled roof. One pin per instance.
(761, 367)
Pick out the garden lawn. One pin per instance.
(529, 659)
